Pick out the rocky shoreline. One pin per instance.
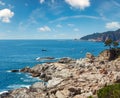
(70, 78)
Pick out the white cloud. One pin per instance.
(81, 4)
(116, 3)
(44, 29)
(70, 25)
(113, 25)
(74, 17)
(5, 15)
(2, 3)
(76, 30)
(42, 1)
(59, 26)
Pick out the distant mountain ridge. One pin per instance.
(114, 35)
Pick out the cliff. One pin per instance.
(114, 35)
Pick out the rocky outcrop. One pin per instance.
(15, 70)
(109, 55)
(69, 78)
(44, 58)
(65, 60)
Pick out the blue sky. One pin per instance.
(57, 19)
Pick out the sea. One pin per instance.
(17, 54)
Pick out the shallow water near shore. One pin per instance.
(16, 54)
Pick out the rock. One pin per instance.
(70, 78)
(103, 71)
(74, 91)
(42, 75)
(38, 86)
(14, 70)
(43, 50)
(87, 94)
(65, 60)
(64, 73)
(26, 69)
(44, 58)
(52, 96)
(117, 77)
(109, 55)
(79, 96)
(89, 55)
(60, 95)
(37, 68)
(54, 82)
(3, 95)
(35, 74)
(66, 92)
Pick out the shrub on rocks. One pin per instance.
(111, 91)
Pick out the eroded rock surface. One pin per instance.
(70, 78)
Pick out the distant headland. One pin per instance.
(114, 35)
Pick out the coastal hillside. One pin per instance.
(114, 35)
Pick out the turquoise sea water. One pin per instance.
(16, 54)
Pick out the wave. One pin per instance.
(15, 86)
(28, 75)
(57, 58)
(8, 71)
(3, 92)
(18, 73)
(30, 79)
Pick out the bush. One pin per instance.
(90, 97)
(111, 91)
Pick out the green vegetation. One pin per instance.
(111, 91)
(108, 42)
(115, 44)
(90, 97)
(111, 44)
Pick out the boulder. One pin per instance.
(74, 91)
(14, 70)
(52, 96)
(26, 69)
(38, 86)
(89, 55)
(60, 95)
(65, 60)
(44, 58)
(35, 74)
(54, 82)
(109, 55)
(79, 96)
(64, 73)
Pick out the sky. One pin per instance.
(57, 19)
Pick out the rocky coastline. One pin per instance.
(69, 78)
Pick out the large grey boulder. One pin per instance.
(54, 82)
(38, 86)
(60, 95)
